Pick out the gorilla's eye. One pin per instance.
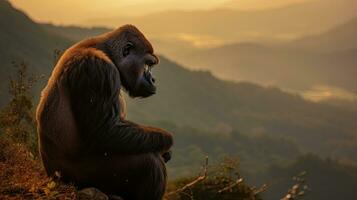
(127, 48)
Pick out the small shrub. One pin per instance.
(221, 182)
(17, 119)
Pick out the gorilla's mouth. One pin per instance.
(145, 85)
(148, 74)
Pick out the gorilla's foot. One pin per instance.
(95, 194)
(91, 194)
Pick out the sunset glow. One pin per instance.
(78, 11)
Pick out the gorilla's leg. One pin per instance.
(134, 177)
(153, 178)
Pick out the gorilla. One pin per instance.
(83, 133)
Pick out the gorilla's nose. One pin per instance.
(152, 60)
(152, 79)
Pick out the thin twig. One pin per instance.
(231, 185)
(194, 182)
(263, 188)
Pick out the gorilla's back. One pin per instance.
(57, 131)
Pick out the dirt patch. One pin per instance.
(23, 177)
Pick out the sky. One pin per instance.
(77, 11)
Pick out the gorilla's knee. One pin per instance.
(134, 177)
(154, 184)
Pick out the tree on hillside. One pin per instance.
(17, 119)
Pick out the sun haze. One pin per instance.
(78, 11)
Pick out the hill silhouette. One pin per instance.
(74, 33)
(339, 38)
(23, 39)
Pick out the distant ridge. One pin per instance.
(340, 38)
(74, 33)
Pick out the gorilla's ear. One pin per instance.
(127, 48)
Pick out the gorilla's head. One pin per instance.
(134, 57)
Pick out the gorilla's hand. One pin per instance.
(167, 156)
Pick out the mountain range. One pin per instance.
(323, 60)
(232, 25)
(327, 59)
(339, 38)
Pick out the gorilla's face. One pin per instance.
(135, 67)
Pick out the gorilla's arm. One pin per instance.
(94, 86)
(137, 137)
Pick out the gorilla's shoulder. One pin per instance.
(88, 54)
(77, 63)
